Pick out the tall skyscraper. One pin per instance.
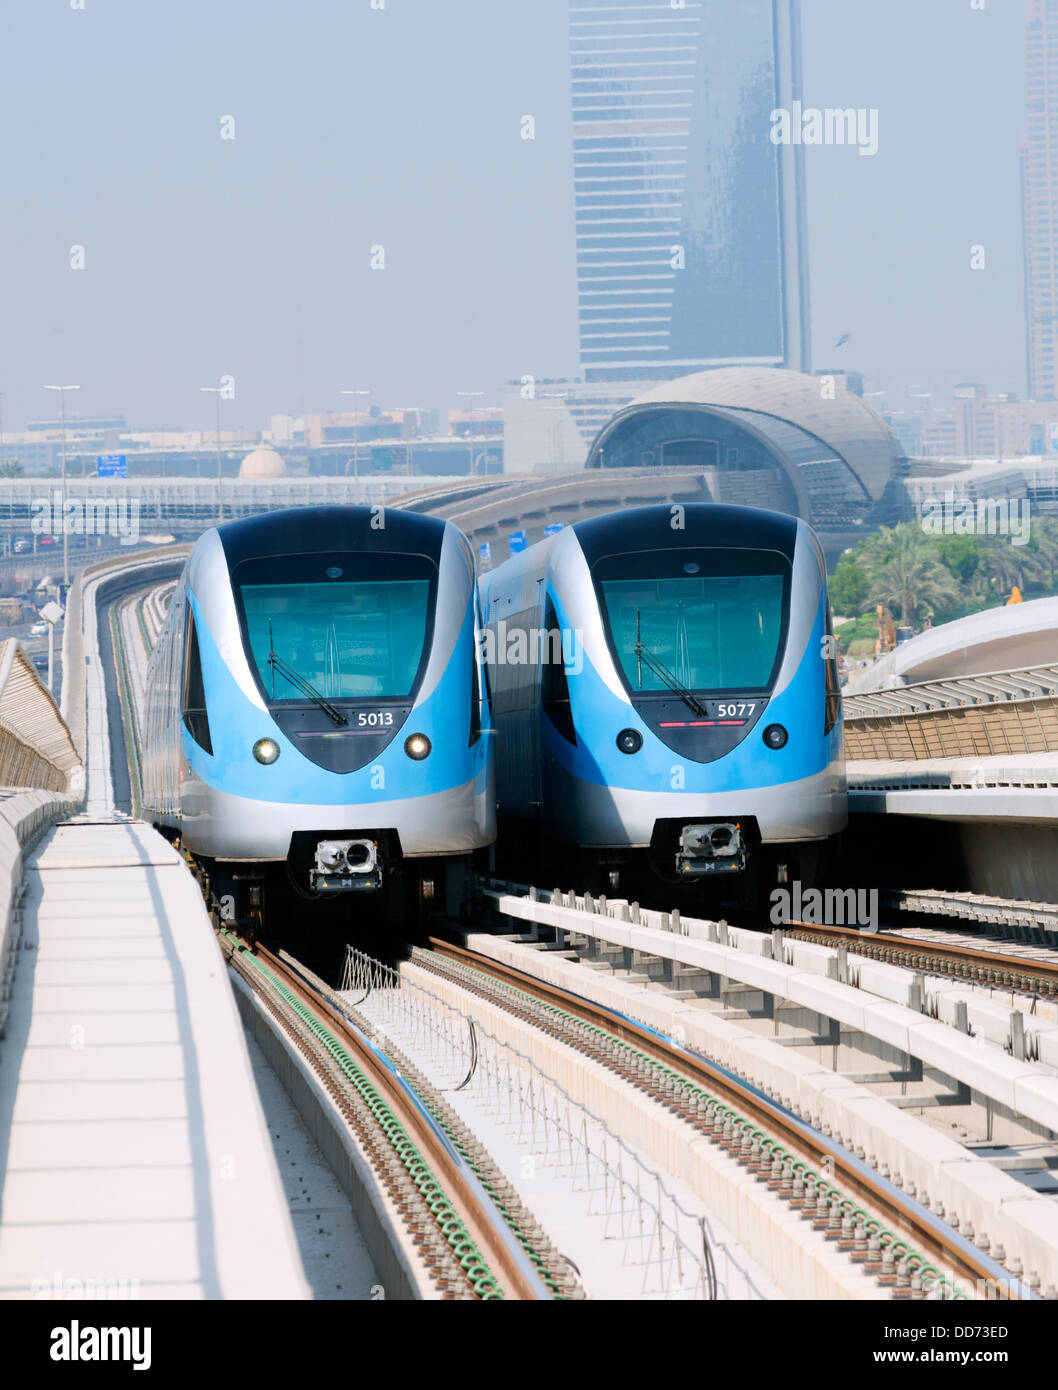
(1039, 191)
(689, 220)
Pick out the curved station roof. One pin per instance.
(741, 426)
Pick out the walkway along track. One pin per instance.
(878, 1226)
(472, 1247)
(979, 966)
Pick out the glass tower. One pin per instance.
(689, 220)
(1039, 188)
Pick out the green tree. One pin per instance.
(12, 469)
(1044, 545)
(849, 587)
(907, 575)
(961, 555)
(1006, 564)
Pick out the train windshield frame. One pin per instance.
(356, 627)
(714, 619)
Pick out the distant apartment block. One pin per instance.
(689, 220)
(1039, 186)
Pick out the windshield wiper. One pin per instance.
(298, 681)
(663, 673)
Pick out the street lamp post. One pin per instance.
(470, 428)
(356, 391)
(62, 390)
(218, 391)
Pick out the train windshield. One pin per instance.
(340, 627)
(712, 620)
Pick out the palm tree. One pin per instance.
(1011, 564)
(1045, 543)
(10, 470)
(906, 573)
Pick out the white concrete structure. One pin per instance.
(136, 1154)
(993, 1202)
(133, 1149)
(1012, 638)
(263, 462)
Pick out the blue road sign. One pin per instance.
(112, 465)
(517, 541)
(485, 551)
(554, 528)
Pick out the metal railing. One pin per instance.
(1004, 713)
(677, 1251)
(36, 749)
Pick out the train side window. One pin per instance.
(554, 687)
(833, 696)
(193, 695)
(475, 694)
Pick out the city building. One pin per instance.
(548, 426)
(689, 219)
(261, 463)
(1039, 188)
(907, 430)
(978, 425)
(1019, 490)
(764, 437)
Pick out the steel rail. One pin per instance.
(909, 1219)
(506, 1259)
(976, 965)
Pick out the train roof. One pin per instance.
(705, 524)
(300, 530)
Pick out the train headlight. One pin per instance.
(266, 750)
(775, 736)
(417, 746)
(630, 740)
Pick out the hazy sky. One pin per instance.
(400, 127)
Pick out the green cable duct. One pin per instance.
(888, 1241)
(480, 1278)
(498, 1202)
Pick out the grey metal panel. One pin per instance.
(847, 424)
(593, 815)
(223, 826)
(809, 572)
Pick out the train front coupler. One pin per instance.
(346, 866)
(711, 847)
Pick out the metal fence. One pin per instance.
(1001, 714)
(36, 749)
(677, 1251)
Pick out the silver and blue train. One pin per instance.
(316, 702)
(665, 693)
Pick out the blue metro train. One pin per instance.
(316, 703)
(665, 694)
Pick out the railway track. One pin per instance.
(974, 963)
(908, 1250)
(474, 1238)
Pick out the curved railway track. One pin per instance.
(474, 1238)
(976, 964)
(910, 1251)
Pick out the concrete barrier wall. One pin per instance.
(36, 748)
(24, 815)
(960, 1186)
(77, 653)
(41, 779)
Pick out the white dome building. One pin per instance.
(263, 463)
